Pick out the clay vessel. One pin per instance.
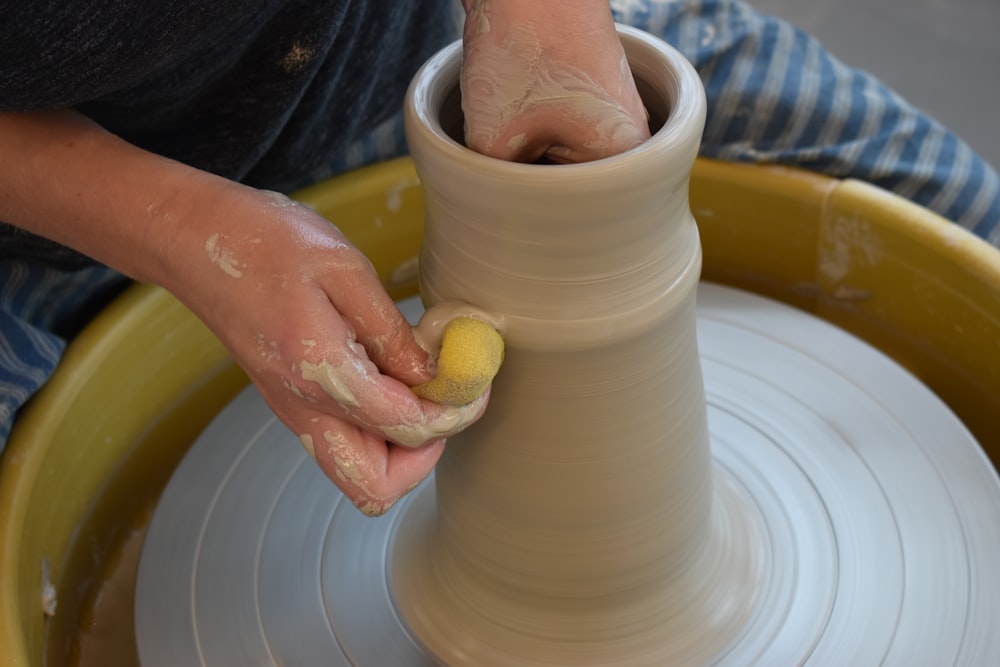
(580, 521)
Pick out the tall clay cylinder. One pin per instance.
(586, 486)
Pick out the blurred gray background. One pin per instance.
(941, 55)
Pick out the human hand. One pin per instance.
(297, 306)
(547, 79)
(304, 313)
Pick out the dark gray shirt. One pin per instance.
(260, 91)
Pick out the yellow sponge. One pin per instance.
(471, 354)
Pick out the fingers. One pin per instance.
(566, 116)
(379, 327)
(372, 436)
(335, 376)
(572, 130)
(531, 91)
(372, 473)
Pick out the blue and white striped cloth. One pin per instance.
(774, 96)
(41, 309)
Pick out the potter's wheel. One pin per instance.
(879, 512)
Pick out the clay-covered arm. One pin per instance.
(547, 78)
(299, 308)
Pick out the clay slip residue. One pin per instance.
(515, 78)
(331, 379)
(221, 256)
(850, 239)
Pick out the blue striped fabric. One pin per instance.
(775, 95)
(41, 308)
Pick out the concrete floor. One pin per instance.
(941, 55)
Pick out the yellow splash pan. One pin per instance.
(145, 377)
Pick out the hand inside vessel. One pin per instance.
(547, 79)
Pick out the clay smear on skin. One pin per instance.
(479, 12)
(357, 471)
(331, 379)
(268, 350)
(450, 421)
(349, 467)
(518, 79)
(222, 257)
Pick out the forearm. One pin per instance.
(574, 18)
(67, 179)
(562, 10)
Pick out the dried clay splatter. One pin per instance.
(222, 257)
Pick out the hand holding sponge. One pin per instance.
(471, 354)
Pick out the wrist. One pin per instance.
(65, 178)
(552, 15)
(562, 29)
